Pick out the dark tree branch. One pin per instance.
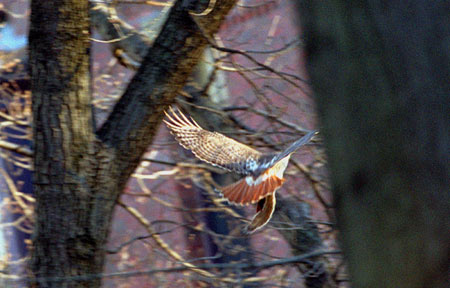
(127, 44)
(304, 239)
(164, 70)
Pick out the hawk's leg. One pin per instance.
(265, 209)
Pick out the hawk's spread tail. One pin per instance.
(243, 192)
(250, 190)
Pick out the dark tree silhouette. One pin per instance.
(380, 72)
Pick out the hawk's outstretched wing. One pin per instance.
(212, 147)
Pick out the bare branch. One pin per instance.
(16, 148)
(239, 266)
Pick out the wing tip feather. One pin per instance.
(179, 119)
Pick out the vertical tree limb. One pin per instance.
(380, 74)
(63, 139)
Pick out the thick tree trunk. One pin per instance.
(64, 240)
(78, 175)
(380, 71)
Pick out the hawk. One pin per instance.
(263, 173)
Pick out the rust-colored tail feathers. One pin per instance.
(242, 193)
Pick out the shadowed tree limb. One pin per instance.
(380, 74)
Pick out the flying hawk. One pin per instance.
(263, 172)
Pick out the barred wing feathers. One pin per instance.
(212, 147)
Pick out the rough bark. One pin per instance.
(63, 141)
(380, 73)
(79, 174)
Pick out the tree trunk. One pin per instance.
(64, 240)
(79, 173)
(380, 72)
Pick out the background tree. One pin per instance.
(380, 74)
